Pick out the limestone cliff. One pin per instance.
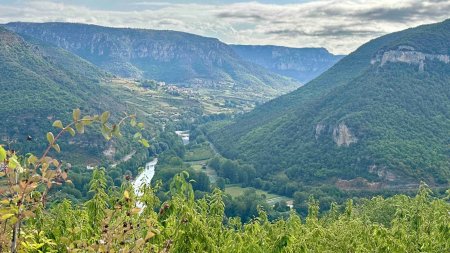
(407, 54)
(174, 57)
(343, 136)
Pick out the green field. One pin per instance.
(198, 166)
(199, 152)
(236, 190)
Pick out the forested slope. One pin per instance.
(381, 113)
(41, 82)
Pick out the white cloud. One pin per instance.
(341, 26)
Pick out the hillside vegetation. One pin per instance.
(110, 220)
(174, 57)
(40, 83)
(377, 119)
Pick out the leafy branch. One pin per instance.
(26, 176)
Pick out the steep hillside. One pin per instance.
(175, 57)
(40, 83)
(303, 64)
(43, 81)
(382, 113)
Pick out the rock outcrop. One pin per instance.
(343, 136)
(407, 54)
(382, 173)
(357, 183)
(319, 129)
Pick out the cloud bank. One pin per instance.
(340, 26)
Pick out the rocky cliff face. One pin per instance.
(128, 46)
(169, 56)
(343, 136)
(340, 134)
(318, 130)
(303, 64)
(407, 54)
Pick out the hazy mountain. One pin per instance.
(381, 113)
(174, 57)
(303, 64)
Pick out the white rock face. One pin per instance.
(382, 173)
(319, 129)
(343, 136)
(407, 54)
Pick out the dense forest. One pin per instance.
(110, 222)
(117, 218)
(378, 118)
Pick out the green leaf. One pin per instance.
(133, 122)
(140, 125)
(32, 159)
(57, 148)
(105, 129)
(106, 132)
(137, 135)
(2, 154)
(57, 124)
(116, 131)
(76, 114)
(87, 120)
(79, 127)
(7, 216)
(50, 137)
(104, 117)
(13, 163)
(71, 131)
(144, 142)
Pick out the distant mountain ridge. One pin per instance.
(174, 57)
(378, 118)
(303, 64)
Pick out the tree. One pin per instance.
(30, 178)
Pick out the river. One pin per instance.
(184, 136)
(146, 176)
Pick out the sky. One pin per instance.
(338, 25)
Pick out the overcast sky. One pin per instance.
(340, 26)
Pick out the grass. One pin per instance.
(198, 166)
(236, 190)
(199, 153)
(205, 151)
